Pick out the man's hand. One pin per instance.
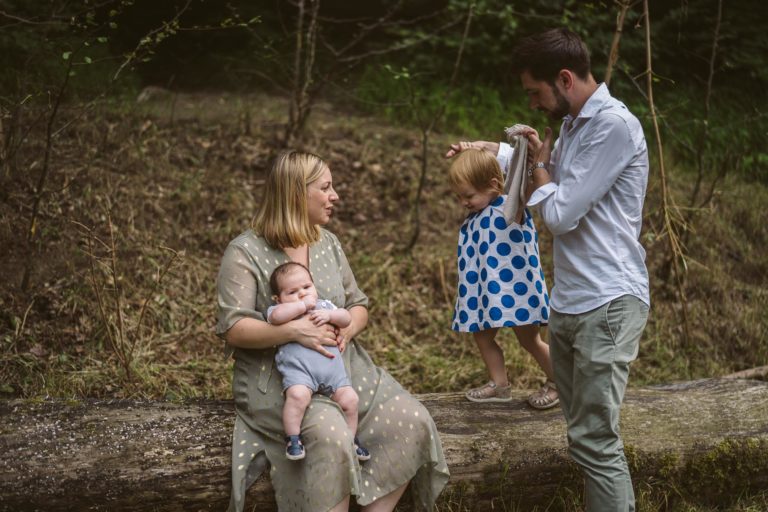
(542, 150)
(455, 149)
(320, 317)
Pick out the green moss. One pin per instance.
(718, 477)
(733, 468)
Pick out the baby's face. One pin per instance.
(295, 286)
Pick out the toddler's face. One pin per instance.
(472, 199)
(295, 286)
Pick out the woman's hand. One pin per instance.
(316, 337)
(359, 316)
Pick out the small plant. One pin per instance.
(124, 331)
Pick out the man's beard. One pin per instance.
(562, 107)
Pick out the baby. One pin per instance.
(306, 371)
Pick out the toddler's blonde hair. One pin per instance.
(477, 168)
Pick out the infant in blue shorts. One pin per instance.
(304, 370)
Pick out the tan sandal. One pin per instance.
(546, 397)
(490, 392)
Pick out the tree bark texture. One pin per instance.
(706, 438)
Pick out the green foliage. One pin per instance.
(473, 109)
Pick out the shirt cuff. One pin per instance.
(542, 193)
(504, 156)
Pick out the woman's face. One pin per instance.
(320, 198)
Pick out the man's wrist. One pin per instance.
(537, 165)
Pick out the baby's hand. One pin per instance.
(320, 317)
(310, 302)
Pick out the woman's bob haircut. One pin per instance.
(282, 218)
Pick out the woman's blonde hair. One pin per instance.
(478, 168)
(282, 219)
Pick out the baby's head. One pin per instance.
(476, 179)
(291, 282)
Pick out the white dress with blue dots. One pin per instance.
(501, 283)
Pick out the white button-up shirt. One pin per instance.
(594, 206)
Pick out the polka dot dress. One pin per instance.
(501, 283)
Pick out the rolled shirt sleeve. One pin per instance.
(504, 156)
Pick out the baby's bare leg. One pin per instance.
(346, 397)
(297, 400)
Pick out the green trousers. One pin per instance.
(591, 353)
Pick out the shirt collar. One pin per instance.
(593, 105)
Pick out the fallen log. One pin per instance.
(704, 440)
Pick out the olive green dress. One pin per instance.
(394, 426)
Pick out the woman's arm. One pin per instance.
(252, 333)
(359, 319)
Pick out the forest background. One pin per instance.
(135, 136)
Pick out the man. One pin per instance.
(589, 191)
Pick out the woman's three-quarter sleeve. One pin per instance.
(237, 288)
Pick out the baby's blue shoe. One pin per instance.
(294, 449)
(361, 452)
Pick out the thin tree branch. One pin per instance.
(132, 55)
(704, 139)
(613, 54)
(426, 130)
(31, 230)
(668, 207)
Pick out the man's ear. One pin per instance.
(565, 78)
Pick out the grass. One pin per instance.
(187, 175)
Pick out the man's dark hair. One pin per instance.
(280, 271)
(544, 54)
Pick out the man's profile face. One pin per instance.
(545, 97)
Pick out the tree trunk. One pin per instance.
(707, 440)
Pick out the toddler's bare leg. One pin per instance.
(492, 355)
(346, 397)
(530, 338)
(297, 400)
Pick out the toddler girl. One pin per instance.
(501, 283)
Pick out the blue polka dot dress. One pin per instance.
(501, 283)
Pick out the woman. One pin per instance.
(404, 444)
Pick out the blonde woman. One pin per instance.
(298, 199)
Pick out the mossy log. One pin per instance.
(705, 440)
